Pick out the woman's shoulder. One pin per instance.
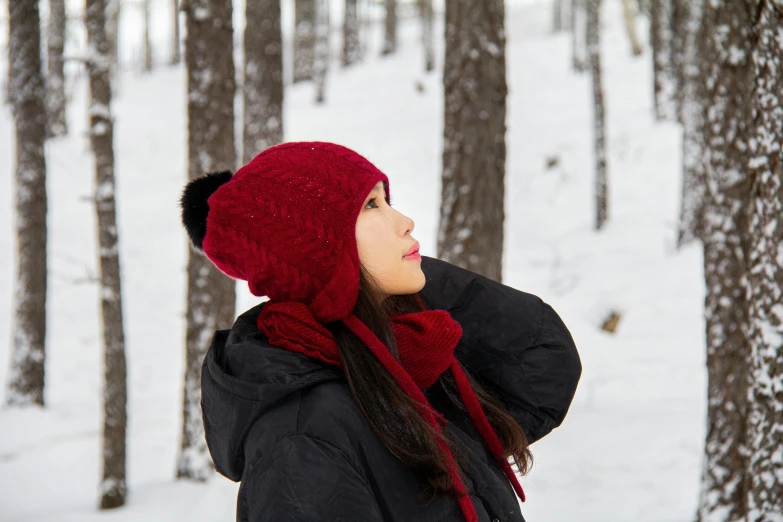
(325, 412)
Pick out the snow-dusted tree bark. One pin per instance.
(304, 39)
(390, 28)
(145, 6)
(470, 231)
(211, 295)
(321, 58)
(428, 34)
(578, 35)
(262, 122)
(599, 129)
(176, 55)
(113, 32)
(113, 488)
(629, 13)
(728, 82)
(765, 266)
(680, 19)
(664, 77)
(26, 95)
(352, 51)
(55, 76)
(691, 225)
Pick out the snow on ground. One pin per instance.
(630, 448)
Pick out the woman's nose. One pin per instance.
(408, 224)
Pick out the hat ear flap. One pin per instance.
(194, 206)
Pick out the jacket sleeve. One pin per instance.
(514, 343)
(301, 479)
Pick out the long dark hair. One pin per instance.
(393, 414)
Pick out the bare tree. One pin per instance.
(262, 121)
(557, 18)
(26, 95)
(470, 231)
(680, 19)
(765, 267)
(599, 132)
(321, 58)
(352, 52)
(55, 74)
(390, 33)
(427, 33)
(304, 39)
(691, 226)
(176, 55)
(629, 13)
(113, 32)
(729, 83)
(578, 35)
(211, 295)
(364, 22)
(145, 6)
(113, 487)
(664, 76)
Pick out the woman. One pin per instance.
(375, 384)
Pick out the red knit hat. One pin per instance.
(286, 224)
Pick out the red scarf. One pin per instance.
(426, 342)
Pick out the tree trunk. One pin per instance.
(364, 22)
(729, 83)
(765, 265)
(304, 39)
(176, 55)
(262, 122)
(578, 35)
(680, 17)
(599, 132)
(113, 33)
(470, 232)
(557, 18)
(55, 75)
(629, 12)
(691, 226)
(351, 44)
(147, 44)
(664, 77)
(321, 59)
(211, 295)
(390, 33)
(26, 95)
(427, 34)
(113, 487)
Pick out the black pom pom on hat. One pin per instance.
(194, 204)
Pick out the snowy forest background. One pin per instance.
(621, 159)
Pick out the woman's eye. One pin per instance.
(374, 203)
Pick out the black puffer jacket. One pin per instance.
(287, 426)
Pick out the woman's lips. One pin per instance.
(413, 252)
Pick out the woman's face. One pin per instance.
(383, 237)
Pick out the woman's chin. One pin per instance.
(419, 282)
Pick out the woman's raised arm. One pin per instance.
(515, 343)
